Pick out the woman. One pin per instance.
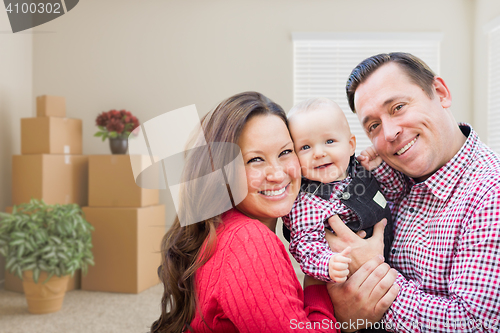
(231, 273)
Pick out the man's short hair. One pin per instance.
(417, 70)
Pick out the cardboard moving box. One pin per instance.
(51, 135)
(112, 183)
(126, 248)
(50, 106)
(59, 179)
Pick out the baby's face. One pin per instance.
(323, 142)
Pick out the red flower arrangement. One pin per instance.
(115, 124)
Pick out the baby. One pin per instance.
(333, 183)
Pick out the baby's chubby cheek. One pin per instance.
(304, 164)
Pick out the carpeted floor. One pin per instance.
(84, 312)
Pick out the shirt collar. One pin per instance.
(323, 190)
(442, 182)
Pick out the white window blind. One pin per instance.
(323, 62)
(494, 88)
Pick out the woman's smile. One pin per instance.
(275, 194)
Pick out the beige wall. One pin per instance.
(486, 11)
(15, 102)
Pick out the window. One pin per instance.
(493, 30)
(323, 62)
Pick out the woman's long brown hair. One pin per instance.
(186, 248)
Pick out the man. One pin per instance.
(446, 246)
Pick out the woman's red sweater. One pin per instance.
(249, 285)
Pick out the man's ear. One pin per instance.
(442, 92)
(352, 144)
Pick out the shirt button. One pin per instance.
(412, 210)
(393, 251)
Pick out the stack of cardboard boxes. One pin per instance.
(129, 222)
(50, 166)
(129, 226)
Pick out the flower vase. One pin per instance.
(118, 145)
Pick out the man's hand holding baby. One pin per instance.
(362, 250)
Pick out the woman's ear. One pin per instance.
(442, 92)
(352, 144)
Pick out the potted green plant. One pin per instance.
(117, 126)
(43, 245)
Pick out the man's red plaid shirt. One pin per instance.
(447, 244)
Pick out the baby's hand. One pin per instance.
(339, 265)
(369, 159)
